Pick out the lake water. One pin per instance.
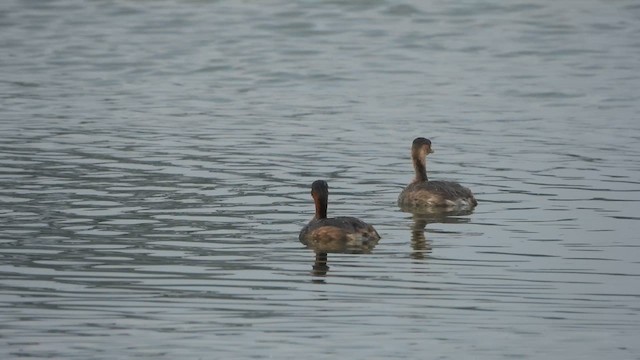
(156, 161)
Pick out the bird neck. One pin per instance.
(321, 207)
(420, 165)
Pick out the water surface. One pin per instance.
(156, 160)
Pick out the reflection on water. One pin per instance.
(155, 162)
(320, 266)
(323, 248)
(419, 243)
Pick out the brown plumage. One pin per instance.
(339, 234)
(422, 193)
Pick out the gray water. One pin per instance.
(156, 159)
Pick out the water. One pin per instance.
(156, 159)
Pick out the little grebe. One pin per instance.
(423, 193)
(339, 234)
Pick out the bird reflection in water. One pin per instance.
(323, 248)
(419, 243)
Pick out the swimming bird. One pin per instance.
(339, 234)
(423, 193)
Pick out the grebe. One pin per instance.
(422, 193)
(339, 234)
